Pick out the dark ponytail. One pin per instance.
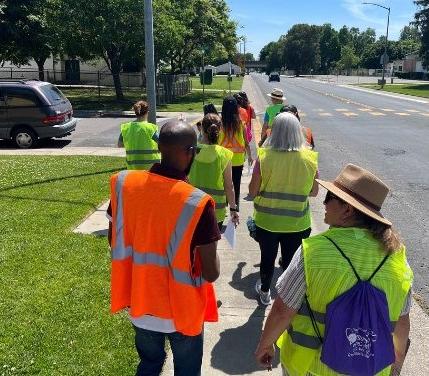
(386, 235)
(211, 127)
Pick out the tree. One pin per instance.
(344, 36)
(109, 29)
(301, 50)
(271, 54)
(422, 22)
(202, 27)
(329, 47)
(348, 59)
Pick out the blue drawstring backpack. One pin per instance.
(358, 334)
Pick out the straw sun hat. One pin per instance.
(360, 189)
(277, 94)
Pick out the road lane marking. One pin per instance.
(302, 114)
(328, 114)
(365, 109)
(402, 114)
(387, 110)
(377, 114)
(424, 113)
(412, 111)
(350, 114)
(341, 109)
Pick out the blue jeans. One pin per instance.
(187, 352)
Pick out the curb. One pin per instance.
(125, 114)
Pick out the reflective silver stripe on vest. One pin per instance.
(284, 212)
(283, 196)
(149, 258)
(186, 278)
(185, 217)
(142, 161)
(210, 191)
(304, 311)
(119, 251)
(134, 152)
(303, 339)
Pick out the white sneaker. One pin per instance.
(264, 297)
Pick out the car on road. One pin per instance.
(31, 110)
(274, 76)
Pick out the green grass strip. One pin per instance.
(54, 306)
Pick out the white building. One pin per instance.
(227, 67)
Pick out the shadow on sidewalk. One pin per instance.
(247, 283)
(233, 354)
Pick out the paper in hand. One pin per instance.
(229, 234)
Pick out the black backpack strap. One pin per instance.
(379, 267)
(348, 260)
(313, 320)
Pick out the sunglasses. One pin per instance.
(330, 196)
(193, 149)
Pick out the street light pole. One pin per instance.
(387, 37)
(244, 53)
(150, 60)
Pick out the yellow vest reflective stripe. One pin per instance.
(207, 174)
(282, 204)
(272, 112)
(140, 143)
(236, 144)
(328, 275)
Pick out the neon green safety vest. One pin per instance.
(272, 112)
(207, 174)
(328, 275)
(141, 144)
(236, 144)
(282, 203)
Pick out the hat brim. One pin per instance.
(363, 208)
(280, 99)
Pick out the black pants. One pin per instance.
(237, 171)
(269, 245)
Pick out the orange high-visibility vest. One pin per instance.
(153, 222)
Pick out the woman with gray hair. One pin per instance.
(282, 181)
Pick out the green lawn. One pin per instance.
(87, 99)
(219, 83)
(421, 90)
(193, 102)
(54, 305)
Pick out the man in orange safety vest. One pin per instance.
(163, 235)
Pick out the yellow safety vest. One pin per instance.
(236, 144)
(282, 203)
(141, 146)
(207, 174)
(328, 275)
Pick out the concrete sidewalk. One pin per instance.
(230, 343)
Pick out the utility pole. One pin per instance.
(244, 53)
(384, 58)
(150, 60)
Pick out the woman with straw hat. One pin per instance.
(361, 239)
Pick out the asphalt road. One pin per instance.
(386, 135)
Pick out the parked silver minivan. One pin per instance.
(31, 110)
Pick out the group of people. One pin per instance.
(166, 214)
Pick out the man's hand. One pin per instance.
(264, 355)
(235, 218)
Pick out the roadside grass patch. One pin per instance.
(193, 102)
(54, 306)
(419, 90)
(87, 98)
(219, 83)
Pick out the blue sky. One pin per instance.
(264, 21)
